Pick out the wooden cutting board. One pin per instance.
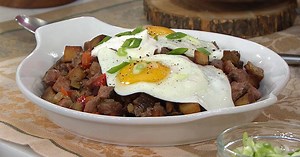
(249, 18)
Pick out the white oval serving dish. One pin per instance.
(144, 131)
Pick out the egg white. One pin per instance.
(192, 44)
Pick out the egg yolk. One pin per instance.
(142, 71)
(158, 30)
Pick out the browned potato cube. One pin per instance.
(70, 52)
(76, 74)
(49, 94)
(242, 100)
(94, 42)
(257, 72)
(188, 108)
(233, 56)
(200, 58)
(169, 107)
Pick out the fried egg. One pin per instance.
(172, 78)
(176, 79)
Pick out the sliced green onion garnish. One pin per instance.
(176, 35)
(122, 51)
(135, 43)
(123, 33)
(203, 50)
(132, 43)
(117, 68)
(137, 30)
(178, 51)
(256, 148)
(105, 39)
(139, 67)
(127, 42)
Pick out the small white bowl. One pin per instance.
(144, 131)
(285, 136)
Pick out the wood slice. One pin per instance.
(243, 18)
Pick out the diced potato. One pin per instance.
(254, 70)
(57, 97)
(242, 100)
(200, 58)
(130, 108)
(70, 52)
(233, 56)
(76, 74)
(256, 74)
(77, 106)
(188, 108)
(75, 84)
(169, 107)
(49, 94)
(94, 42)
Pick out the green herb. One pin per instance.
(137, 30)
(122, 51)
(203, 50)
(139, 67)
(261, 149)
(117, 68)
(176, 35)
(178, 51)
(132, 43)
(105, 39)
(128, 43)
(123, 33)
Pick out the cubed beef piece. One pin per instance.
(238, 89)
(91, 106)
(110, 107)
(238, 75)
(61, 82)
(77, 60)
(142, 102)
(105, 91)
(65, 102)
(51, 76)
(228, 66)
(217, 63)
(90, 82)
(94, 69)
(158, 110)
(254, 94)
(233, 56)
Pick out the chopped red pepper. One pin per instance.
(81, 99)
(100, 81)
(86, 59)
(64, 91)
